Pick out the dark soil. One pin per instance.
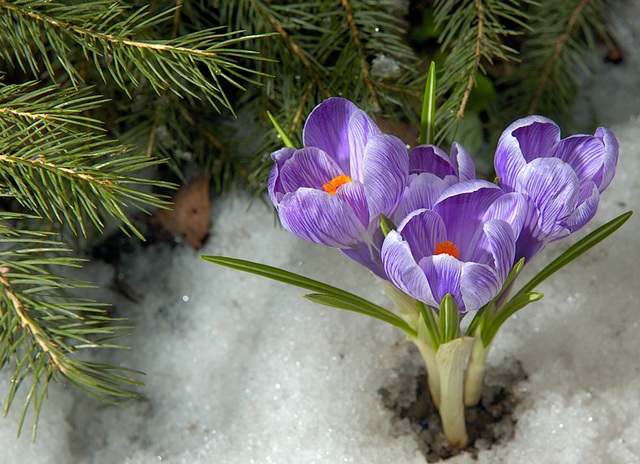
(489, 423)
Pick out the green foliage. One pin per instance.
(62, 169)
(473, 35)
(555, 55)
(42, 328)
(55, 162)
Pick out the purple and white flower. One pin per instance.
(431, 172)
(562, 179)
(333, 190)
(463, 246)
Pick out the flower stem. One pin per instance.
(475, 372)
(429, 357)
(451, 359)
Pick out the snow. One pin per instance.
(242, 370)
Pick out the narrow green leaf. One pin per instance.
(428, 116)
(339, 303)
(492, 324)
(386, 225)
(432, 325)
(285, 138)
(576, 250)
(296, 280)
(485, 311)
(449, 319)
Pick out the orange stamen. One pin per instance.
(334, 184)
(448, 248)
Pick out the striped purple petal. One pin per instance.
(327, 128)
(385, 173)
(318, 217)
(524, 140)
(403, 270)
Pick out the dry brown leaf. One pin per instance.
(191, 214)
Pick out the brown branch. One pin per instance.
(560, 44)
(298, 116)
(27, 323)
(81, 31)
(287, 38)
(364, 67)
(69, 171)
(32, 116)
(476, 59)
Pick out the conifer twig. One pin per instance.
(364, 66)
(560, 44)
(476, 58)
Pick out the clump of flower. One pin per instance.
(445, 244)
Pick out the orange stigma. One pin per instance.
(334, 184)
(447, 248)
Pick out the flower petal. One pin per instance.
(361, 129)
(511, 208)
(319, 217)
(553, 187)
(422, 230)
(462, 208)
(308, 167)
(462, 162)
(584, 153)
(432, 159)
(385, 174)
(368, 255)
(422, 192)
(327, 128)
(524, 140)
(585, 211)
(274, 185)
(610, 159)
(479, 285)
(502, 245)
(403, 270)
(353, 194)
(444, 272)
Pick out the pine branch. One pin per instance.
(193, 65)
(42, 329)
(53, 165)
(556, 55)
(364, 66)
(473, 32)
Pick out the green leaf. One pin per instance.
(485, 311)
(386, 225)
(340, 303)
(449, 319)
(576, 250)
(491, 325)
(285, 138)
(428, 116)
(326, 294)
(431, 323)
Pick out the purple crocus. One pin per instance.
(562, 179)
(431, 172)
(464, 246)
(333, 190)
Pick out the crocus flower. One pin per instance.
(562, 179)
(333, 190)
(431, 172)
(464, 246)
